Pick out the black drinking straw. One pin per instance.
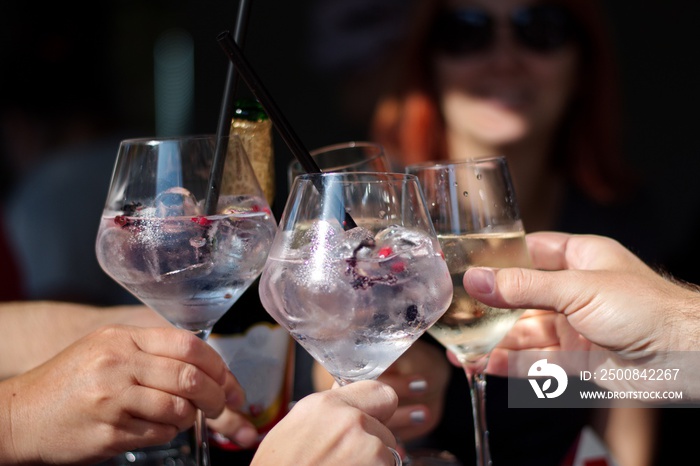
(226, 114)
(293, 141)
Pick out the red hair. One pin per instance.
(408, 122)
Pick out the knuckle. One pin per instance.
(390, 394)
(111, 331)
(179, 406)
(178, 410)
(111, 434)
(191, 379)
(307, 403)
(107, 357)
(187, 343)
(352, 418)
(106, 347)
(167, 433)
(315, 401)
(186, 414)
(162, 433)
(515, 285)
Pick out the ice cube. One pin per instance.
(350, 241)
(243, 244)
(243, 204)
(176, 202)
(401, 239)
(358, 234)
(122, 257)
(185, 274)
(318, 297)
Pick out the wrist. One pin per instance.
(13, 448)
(681, 318)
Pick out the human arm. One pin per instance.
(116, 389)
(607, 301)
(630, 433)
(339, 426)
(606, 292)
(50, 326)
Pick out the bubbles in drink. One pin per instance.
(355, 300)
(354, 236)
(321, 235)
(469, 328)
(189, 267)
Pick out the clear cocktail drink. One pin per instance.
(373, 297)
(190, 268)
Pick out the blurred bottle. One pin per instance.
(253, 126)
(258, 351)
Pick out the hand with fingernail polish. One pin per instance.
(420, 378)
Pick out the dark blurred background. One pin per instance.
(77, 77)
(305, 51)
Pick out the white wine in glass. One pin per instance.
(157, 237)
(473, 207)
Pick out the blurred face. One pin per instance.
(499, 84)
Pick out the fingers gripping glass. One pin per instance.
(541, 29)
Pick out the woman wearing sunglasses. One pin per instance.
(534, 81)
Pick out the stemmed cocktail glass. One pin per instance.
(473, 208)
(366, 156)
(184, 258)
(350, 156)
(355, 273)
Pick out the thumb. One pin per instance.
(520, 288)
(374, 398)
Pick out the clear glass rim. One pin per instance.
(442, 164)
(348, 145)
(323, 151)
(189, 137)
(359, 177)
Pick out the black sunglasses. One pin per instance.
(540, 28)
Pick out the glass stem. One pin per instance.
(201, 440)
(477, 390)
(199, 432)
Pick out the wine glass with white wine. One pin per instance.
(473, 207)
